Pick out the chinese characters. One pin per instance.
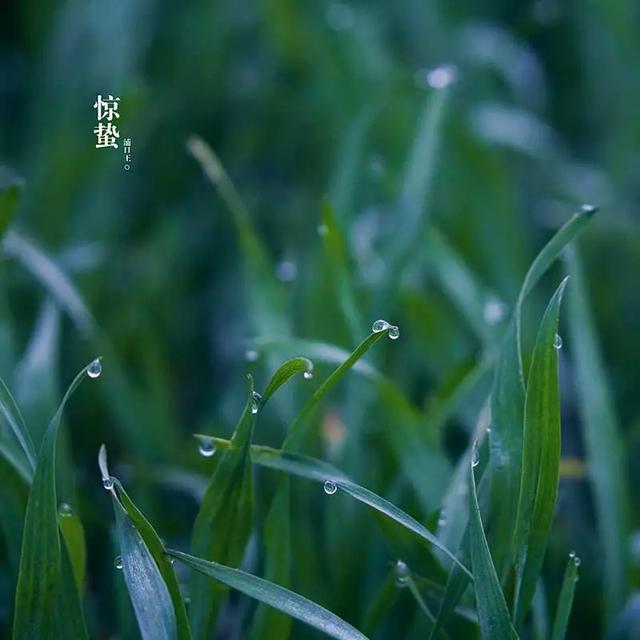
(106, 132)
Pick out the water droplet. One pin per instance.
(475, 457)
(94, 369)
(256, 398)
(557, 342)
(494, 310)
(65, 510)
(286, 271)
(394, 332)
(308, 374)
(323, 230)
(340, 16)
(442, 520)
(587, 208)
(187, 600)
(330, 487)
(206, 447)
(118, 562)
(577, 561)
(379, 325)
(402, 573)
(437, 78)
(251, 355)
(107, 483)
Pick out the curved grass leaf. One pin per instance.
(605, 453)
(284, 372)
(14, 492)
(295, 432)
(224, 522)
(565, 601)
(493, 613)
(540, 459)
(147, 588)
(74, 539)
(9, 199)
(320, 471)
(42, 570)
(275, 596)
(507, 400)
(12, 417)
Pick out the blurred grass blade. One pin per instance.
(12, 416)
(269, 622)
(9, 200)
(605, 452)
(457, 582)
(41, 574)
(147, 589)
(337, 261)
(52, 278)
(565, 601)
(14, 491)
(295, 433)
(266, 297)
(507, 400)
(383, 602)
(540, 459)
(272, 594)
(492, 607)
(225, 520)
(74, 539)
(284, 372)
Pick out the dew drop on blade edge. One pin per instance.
(379, 325)
(330, 487)
(206, 448)
(118, 562)
(65, 510)
(557, 342)
(402, 573)
(394, 332)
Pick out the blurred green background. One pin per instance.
(302, 101)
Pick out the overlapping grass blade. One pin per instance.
(14, 491)
(24, 454)
(74, 539)
(605, 453)
(540, 459)
(296, 430)
(147, 589)
(42, 569)
(225, 520)
(274, 595)
(565, 601)
(492, 608)
(319, 471)
(507, 400)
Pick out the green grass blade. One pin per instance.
(337, 259)
(266, 295)
(14, 492)
(275, 596)
(295, 432)
(12, 416)
(457, 583)
(605, 452)
(225, 520)
(540, 459)
(9, 199)
(508, 396)
(565, 601)
(74, 539)
(492, 607)
(68, 624)
(40, 571)
(147, 589)
(284, 373)
(383, 602)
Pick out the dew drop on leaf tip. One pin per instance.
(118, 562)
(107, 483)
(256, 398)
(402, 573)
(206, 447)
(94, 369)
(557, 342)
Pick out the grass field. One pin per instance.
(349, 350)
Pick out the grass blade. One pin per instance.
(224, 522)
(285, 372)
(565, 602)
(540, 459)
(295, 432)
(275, 596)
(41, 574)
(147, 589)
(605, 453)
(74, 539)
(492, 607)
(508, 396)
(12, 416)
